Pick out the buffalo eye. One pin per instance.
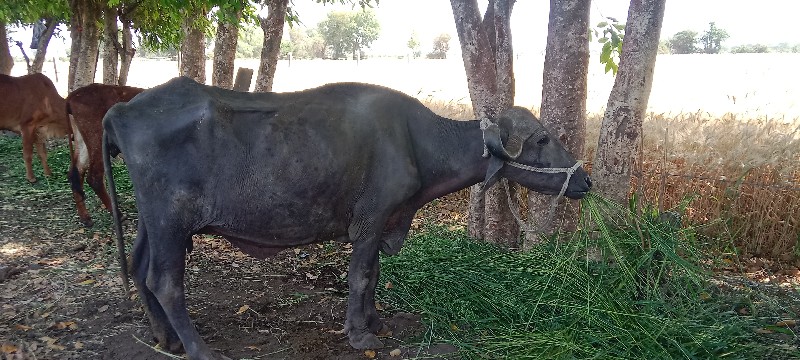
(544, 140)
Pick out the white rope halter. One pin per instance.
(553, 203)
(485, 123)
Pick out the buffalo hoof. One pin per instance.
(365, 341)
(172, 346)
(32, 180)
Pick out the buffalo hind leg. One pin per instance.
(163, 332)
(165, 275)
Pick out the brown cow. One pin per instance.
(87, 106)
(31, 106)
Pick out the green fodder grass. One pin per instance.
(600, 295)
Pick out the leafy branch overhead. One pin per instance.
(612, 34)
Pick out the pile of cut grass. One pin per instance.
(628, 290)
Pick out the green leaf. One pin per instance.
(602, 24)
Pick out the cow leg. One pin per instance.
(95, 180)
(28, 139)
(140, 262)
(42, 151)
(165, 280)
(362, 276)
(76, 182)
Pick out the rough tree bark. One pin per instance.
(272, 26)
(85, 42)
(621, 131)
(563, 111)
(41, 46)
(6, 61)
(111, 46)
(225, 53)
(488, 61)
(193, 47)
(128, 51)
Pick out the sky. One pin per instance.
(768, 22)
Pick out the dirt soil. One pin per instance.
(61, 296)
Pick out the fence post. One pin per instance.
(243, 78)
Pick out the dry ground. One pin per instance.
(61, 295)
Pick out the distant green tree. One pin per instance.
(684, 42)
(750, 49)
(712, 39)
(663, 47)
(250, 41)
(441, 45)
(349, 32)
(413, 44)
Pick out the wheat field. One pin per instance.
(722, 130)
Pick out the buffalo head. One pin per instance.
(523, 151)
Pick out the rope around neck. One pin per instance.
(485, 123)
(553, 203)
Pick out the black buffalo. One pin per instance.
(349, 162)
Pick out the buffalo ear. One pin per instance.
(494, 142)
(492, 173)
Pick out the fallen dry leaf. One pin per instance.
(395, 352)
(64, 325)
(243, 309)
(370, 354)
(22, 327)
(8, 349)
(389, 285)
(102, 308)
(86, 282)
(253, 347)
(786, 323)
(78, 345)
(51, 343)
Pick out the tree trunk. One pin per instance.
(6, 61)
(193, 48)
(488, 61)
(127, 53)
(111, 46)
(225, 53)
(563, 111)
(85, 47)
(272, 27)
(41, 46)
(621, 131)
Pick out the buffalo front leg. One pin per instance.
(362, 317)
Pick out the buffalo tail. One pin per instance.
(115, 213)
